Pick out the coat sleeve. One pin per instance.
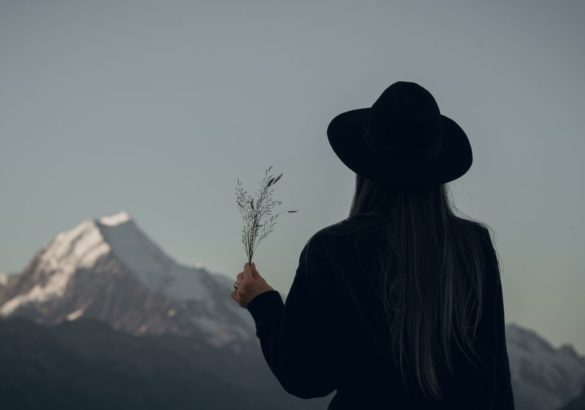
(296, 337)
(499, 379)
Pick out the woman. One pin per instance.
(400, 305)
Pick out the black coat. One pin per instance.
(328, 335)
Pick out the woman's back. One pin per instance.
(369, 373)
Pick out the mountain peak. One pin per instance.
(108, 268)
(115, 219)
(569, 350)
(120, 237)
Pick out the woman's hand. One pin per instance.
(250, 284)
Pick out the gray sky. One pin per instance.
(157, 107)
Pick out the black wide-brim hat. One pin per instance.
(402, 139)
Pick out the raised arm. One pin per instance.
(296, 337)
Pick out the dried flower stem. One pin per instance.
(257, 216)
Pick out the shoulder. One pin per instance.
(485, 237)
(484, 233)
(479, 228)
(349, 226)
(316, 244)
(327, 234)
(335, 240)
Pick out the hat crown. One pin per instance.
(405, 122)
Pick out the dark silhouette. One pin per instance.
(400, 305)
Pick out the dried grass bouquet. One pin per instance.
(257, 212)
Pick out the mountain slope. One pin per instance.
(85, 364)
(543, 377)
(578, 403)
(108, 269)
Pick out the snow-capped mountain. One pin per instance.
(108, 269)
(543, 377)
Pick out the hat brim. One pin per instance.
(455, 158)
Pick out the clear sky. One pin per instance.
(157, 107)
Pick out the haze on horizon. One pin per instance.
(156, 108)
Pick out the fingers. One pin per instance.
(248, 270)
(254, 271)
(237, 297)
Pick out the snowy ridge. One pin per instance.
(107, 268)
(148, 261)
(543, 376)
(85, 244)
(115, 219)
(78, 248)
